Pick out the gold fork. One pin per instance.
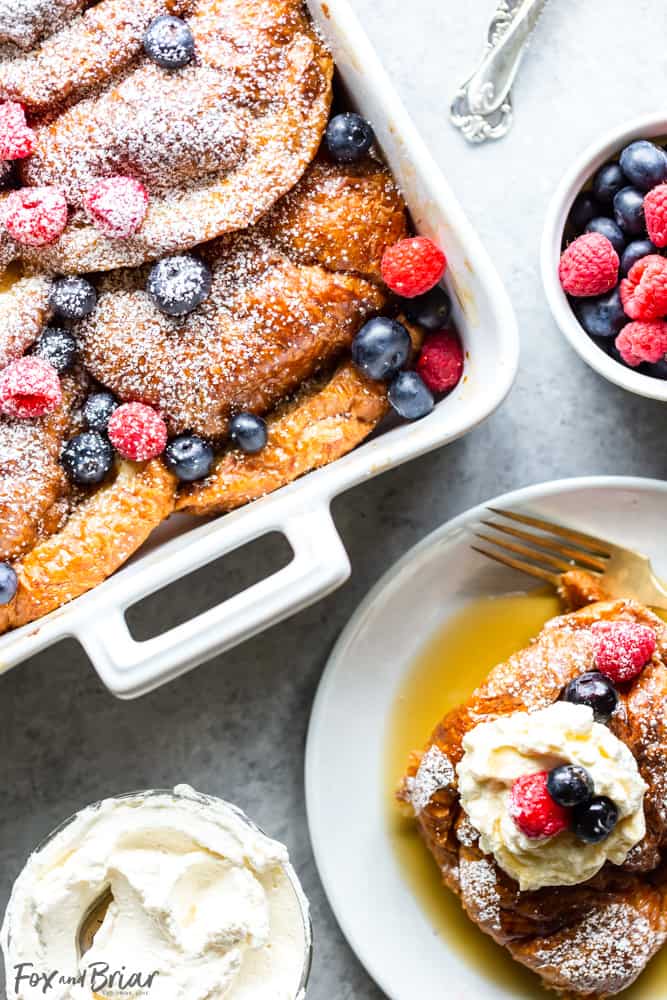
(552, 550)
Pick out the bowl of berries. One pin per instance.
(604, 257)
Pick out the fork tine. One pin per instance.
(578, 537)
(531, 553)
(577, 555)
(523, 567)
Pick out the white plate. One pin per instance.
(346, 752)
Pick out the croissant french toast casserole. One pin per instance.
(543, 798)
(209, 284)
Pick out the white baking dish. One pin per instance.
(301, 510)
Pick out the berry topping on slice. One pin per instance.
(17, 139)
(594, 820)
(413, 266)
(431, 311)
(381, 347)
(36, 216)
(87, 458)
(189, 457)
(8, 583)
(596, 691)
(410, 397)
(570, 785)
(29, 387)
(589, 266)
(644, 291)
(644, 164)
(533, 810)
(97, 410)
(638, 342)
(117, 206)
(655, 213)
(58, 347)
(349, 137)
(629, 211)
(248, 432)
(622, 649)
(179, 284)
(169, 42)
(137, 432)
(440, 363)
(72, 298)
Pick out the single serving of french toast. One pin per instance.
(543, 798)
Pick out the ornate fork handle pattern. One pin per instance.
(482, 107)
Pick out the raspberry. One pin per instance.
(413, 267)
(117, 206)
(137, 432)
(589, 266)
(622, 649)
(639, 342)
(36, 216)
(655, 213)
(440, 363)
(644, 291)
(29, 387)
(532, 808)
(17, 140)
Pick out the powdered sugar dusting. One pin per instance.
(603, 953)
(479, 889)
(435, 773)
(23, 22)
(466, 832)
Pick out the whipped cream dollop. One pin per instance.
(202, 906)
(499, 752)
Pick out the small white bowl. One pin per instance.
(574, 181)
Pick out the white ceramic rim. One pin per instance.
(300, 510)
(391, 578)
(646, 127)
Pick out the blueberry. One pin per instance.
(169, 42)
(596, 691)
(634, 252)
(349, 137)
(248, 432)
(629, 211)
(8, 583)
(58, 347)
(189, 457)
(570, 785)
(381, 347)
(594, 820)
(410, 397)
(97, 410)
(657, 370)
(179, 284)
(72, 298)
(87, 458)
(644, 164)
(608, 228)
(584, 208)
(608, 182)
(603, 316)
(431, 311)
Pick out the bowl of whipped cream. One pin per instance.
(166, 895)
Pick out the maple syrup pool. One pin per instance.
(455, 661)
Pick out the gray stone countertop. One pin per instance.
(237, 725)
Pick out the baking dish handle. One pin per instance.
(130, 668)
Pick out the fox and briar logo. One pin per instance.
(98, 976)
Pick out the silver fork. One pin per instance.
(482, 106)
(551, 549)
